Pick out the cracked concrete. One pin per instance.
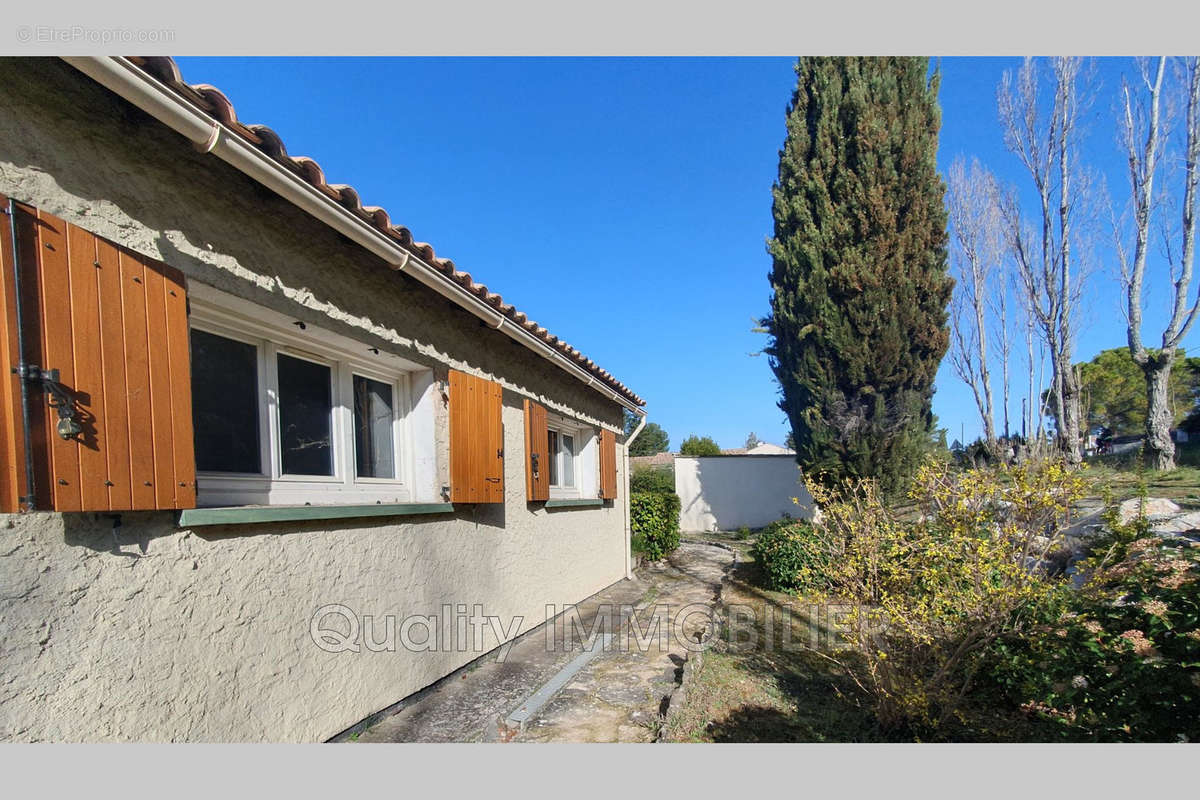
(623, 694)
(620, 696)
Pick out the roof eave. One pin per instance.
(219, 137)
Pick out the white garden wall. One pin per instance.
(726, 492)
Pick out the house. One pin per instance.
(760, 449)
(237, 398)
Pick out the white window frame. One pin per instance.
(585, 480)
(275, 334)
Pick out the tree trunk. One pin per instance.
(1029, 430)
(1004, 377)
(1160, 449)
(1056, 411)
(1067, 410)
(985, 377)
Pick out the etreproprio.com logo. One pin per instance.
(82, 34)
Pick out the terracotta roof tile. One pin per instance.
(214, 102)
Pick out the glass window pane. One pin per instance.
(552, 457)
(568, 458)
(305, 421)
(225, 404)
(373, 429)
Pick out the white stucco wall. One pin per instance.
(150, 633)
(726, 492)
(145, 631)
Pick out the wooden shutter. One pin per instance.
(476, 440)
(608, 465)
(114, 324)
(537, 453)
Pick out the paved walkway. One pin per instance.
(616, 694)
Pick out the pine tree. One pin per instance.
(860, 287)
(652, 440)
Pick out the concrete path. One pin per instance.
(621, 695)
(561, 693)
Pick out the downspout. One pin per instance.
(22, 368)
(628, 520)
(209, 136)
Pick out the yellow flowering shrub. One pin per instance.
(929, 595)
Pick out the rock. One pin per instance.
(1087, 522)
(1076, 538)
(1155, 508)
(1184, 524)
(1037, 565)
(1074, 544)
(1077, 576)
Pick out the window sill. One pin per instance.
(589, 502)
(239, 515)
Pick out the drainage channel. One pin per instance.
(535, 701)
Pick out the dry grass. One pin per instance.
(747, 692)
(1181, 484)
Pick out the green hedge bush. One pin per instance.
(792, 558)
(653, 479)
(654, 519)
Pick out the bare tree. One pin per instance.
(999, 308)
(1034, 406)
(975, 247)
(1145, 133)
(1050, 279)
(1027, 423)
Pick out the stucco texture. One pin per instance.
(143, 631)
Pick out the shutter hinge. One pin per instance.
(68, 426)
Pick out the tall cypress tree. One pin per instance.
(860, 287)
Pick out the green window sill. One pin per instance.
(241, 515)
(575, 503)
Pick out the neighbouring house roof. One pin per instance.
(213, 102)
(656, 460)
(764, 449)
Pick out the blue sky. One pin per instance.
(622, 203)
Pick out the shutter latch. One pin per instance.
(60, 397)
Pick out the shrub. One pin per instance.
(699, 446)
(654, 519)
(1119, 659)
(793, 557)
(926, 599)
(742, 533)
(652, 479)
